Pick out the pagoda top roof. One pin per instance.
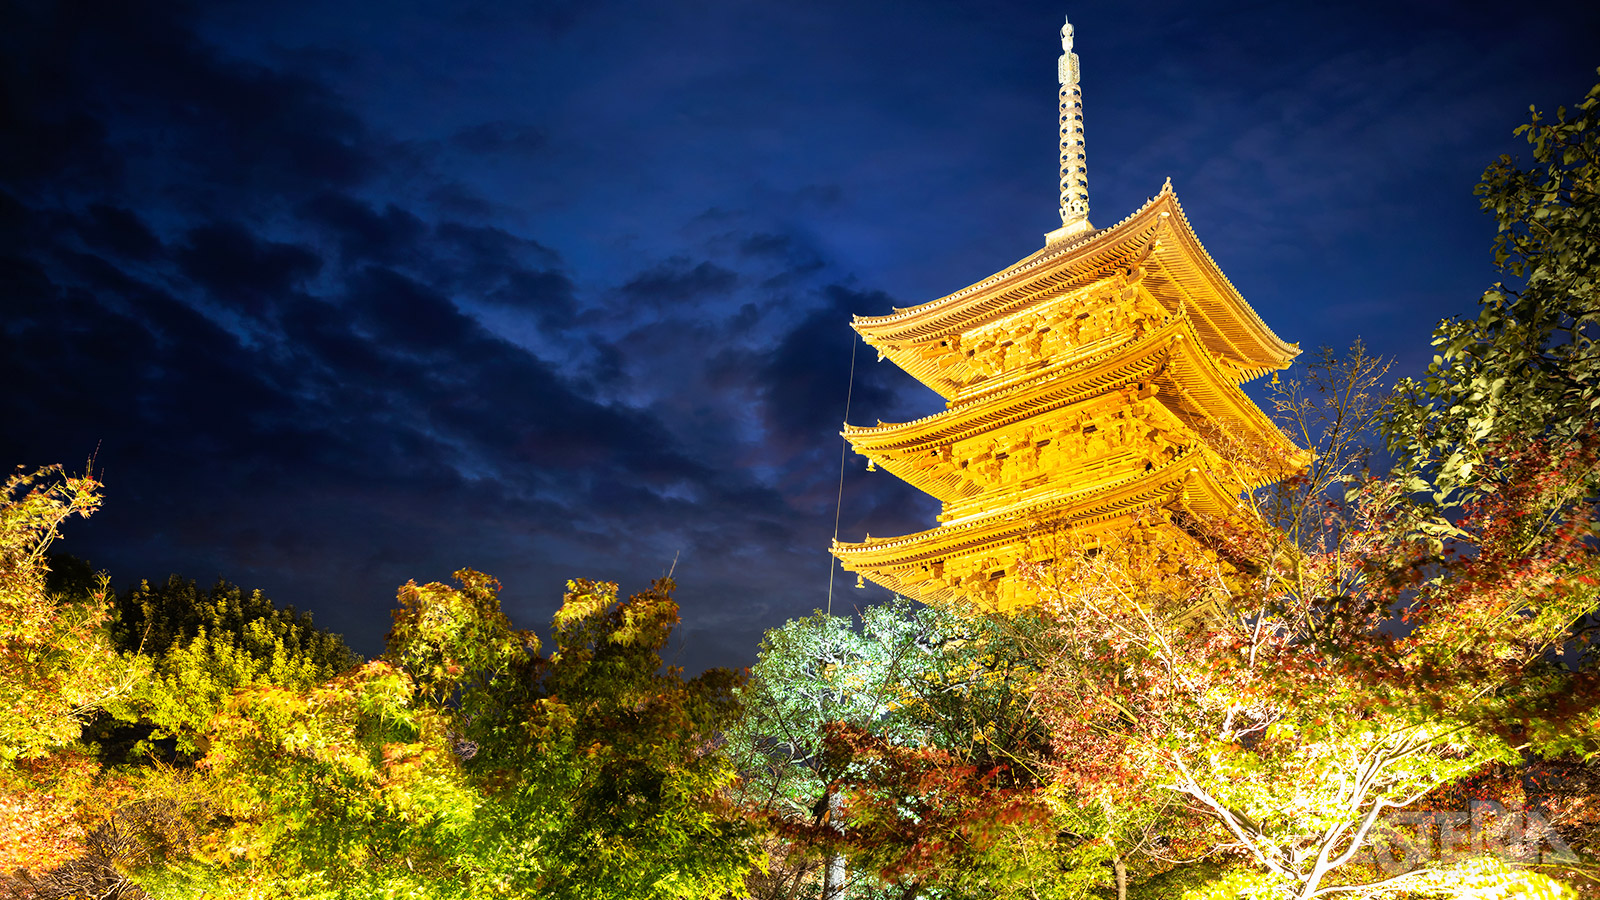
(1156, 237)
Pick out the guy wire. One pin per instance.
(838, 504)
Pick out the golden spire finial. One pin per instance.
(1074, 173)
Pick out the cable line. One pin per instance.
(838, 503)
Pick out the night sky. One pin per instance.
(341, 295)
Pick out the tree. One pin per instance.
(155, 619)
(906, 745)
(187, 653)
(467, 764)
(810, 672)
(56, 668)
(204, 646)
(55, 665)
(351, 787)
(625, 784)
(1528, 367)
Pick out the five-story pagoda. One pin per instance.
(1093, 393)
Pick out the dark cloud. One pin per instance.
(52, 136)
(509, 271)
(456, 198)
(796, 259)
(677, 283)
(779, 245)
(333, 361)
(805, 377)
(119, 232)
(402, 312)
(747, 317)
(242, 271)
(606, 369)
(485, 248)
(546, 293)
(100, 88)
(364, 235)
(501, 137)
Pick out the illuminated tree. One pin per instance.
(466, 764)
(204, 646)
(55, 664)
(623, 784)
(1527, 368)
(56, 669)
(904, 746)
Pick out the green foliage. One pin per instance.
(1181, 879)
(55, 665)
(153, 619)
(818, 670)
(1528, 366)
(623, 786)
(906, 745)
(203, 646)
(337, 789)
(457, 643)
(1236, 884)
(466, 765)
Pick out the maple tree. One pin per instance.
(57, 665)
(56, 669)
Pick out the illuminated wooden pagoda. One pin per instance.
(1093, 390)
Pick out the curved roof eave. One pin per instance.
(1126, 362)
(1181, 480)
(1223, 309)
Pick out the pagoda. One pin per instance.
(1092, 394)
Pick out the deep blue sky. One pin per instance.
(347, 294)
